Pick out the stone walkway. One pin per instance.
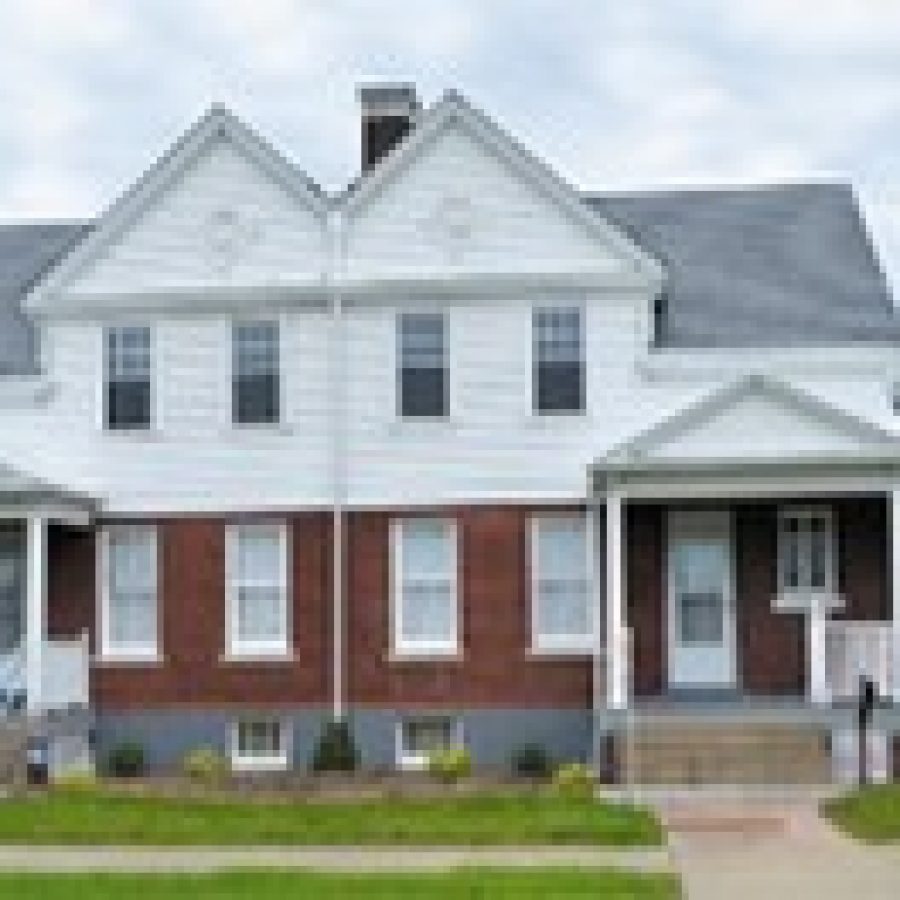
(764, 849)
(206, 859)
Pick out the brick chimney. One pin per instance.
(387, 114)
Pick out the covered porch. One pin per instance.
(40, 672)
(748, 558)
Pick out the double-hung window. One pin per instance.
(256, 368)
(425, 601)
(129, 613)
(422, 383)
(558, 360)
(128, 371)
(562, 611)
(805, 553)
(257, 579)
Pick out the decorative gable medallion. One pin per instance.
(453, 223)
(227, 235)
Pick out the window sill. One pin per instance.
(262, 764)
(411, 424)
(425, 654)
(268, 428)
(154, 433)
(257, 656)
(127, 659)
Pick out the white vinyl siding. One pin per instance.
(257, 588)
(562, 608)
(260, 743)
(129, 615)
(425, 606)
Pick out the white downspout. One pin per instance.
(337, 376)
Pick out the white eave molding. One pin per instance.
(453, 108)
(217, 123)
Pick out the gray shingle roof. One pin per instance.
(760, 266)
(26, 248)
(768, 266)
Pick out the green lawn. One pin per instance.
(871, 814)
(260, 885)
(101, 817)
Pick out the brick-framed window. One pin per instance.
(129, 625)
(806, 552)
(128, 377)
(425, 603)
(562, 606)
(257, 587)
(558, 360)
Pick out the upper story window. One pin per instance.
(128, 375)
(558, 362)
(562, 612)
(425, 601)
(129, 609)
(256, 366)
(806, 551)
(257, 585)
(422, 384)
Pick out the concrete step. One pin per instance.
(727, 754)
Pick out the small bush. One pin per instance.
(574, 780)
(336, 751)
(206, 765)
(76, 780)
(531, 761)
(126, 760)
(450, 764)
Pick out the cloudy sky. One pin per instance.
(615, 93)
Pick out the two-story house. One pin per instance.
(460, 454)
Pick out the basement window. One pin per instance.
(259, 744)
(418, 738)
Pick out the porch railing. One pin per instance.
(65, 666)
(853, 649)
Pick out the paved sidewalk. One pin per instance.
(206, 859)
(751, 850)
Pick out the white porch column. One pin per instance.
(818, 681)
(35, 608)
(616, 688)
(894, 520)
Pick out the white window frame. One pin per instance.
(408, 648)
(148, 650)
(240, 763)
(418, 762)
(235, 647)
(548, 306)
(800, 597)
(563, 644)
(102, 381)
(280, 419)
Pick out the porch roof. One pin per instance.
(755, 435)
(22, 493)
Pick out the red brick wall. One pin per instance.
(192, 620)
(495, 666)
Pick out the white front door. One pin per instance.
(701, 624)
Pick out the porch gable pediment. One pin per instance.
(757, 420)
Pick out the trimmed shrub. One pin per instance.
(205, 764)
(336, 750)
(450, 764)
(531, 761)
(574, 779)
(126, 760)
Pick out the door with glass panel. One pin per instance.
(701, 620)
